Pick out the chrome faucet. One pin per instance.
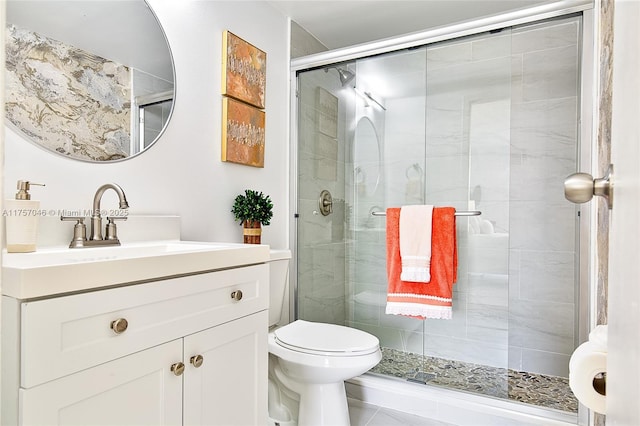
(96, 239)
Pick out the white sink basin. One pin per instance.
(63, 270)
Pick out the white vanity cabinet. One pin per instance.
(190, 350)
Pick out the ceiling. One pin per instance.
(138, 41)
(345, 23)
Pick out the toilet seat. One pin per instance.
(325, 339)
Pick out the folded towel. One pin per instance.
(422, 300)
(415, 243)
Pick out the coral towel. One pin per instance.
(415, 243)
(416, 299)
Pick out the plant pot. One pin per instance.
(252, 231)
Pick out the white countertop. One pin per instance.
(60, 270)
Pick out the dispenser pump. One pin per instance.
(21, 220)
(23, 189)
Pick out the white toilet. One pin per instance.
(309, 361)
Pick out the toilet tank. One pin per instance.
(279, 287)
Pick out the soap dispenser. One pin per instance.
(21, 220)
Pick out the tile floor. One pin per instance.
(536, 389)
(363, 414)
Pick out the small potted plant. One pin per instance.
(253, 209)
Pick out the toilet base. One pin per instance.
(317, 404)
(323, 405)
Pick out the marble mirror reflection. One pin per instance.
(366, 158)
(91, 80)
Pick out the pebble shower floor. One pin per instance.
(536, 389)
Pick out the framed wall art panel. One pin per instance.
(243, 134)
(244, 73)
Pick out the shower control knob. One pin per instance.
(325, 203)
(581, 187)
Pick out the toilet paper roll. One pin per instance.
(598, 337)
(585, 365)
(584, 348)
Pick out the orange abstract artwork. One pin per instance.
(244, 74)
(242, 133)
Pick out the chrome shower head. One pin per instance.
(345, 75)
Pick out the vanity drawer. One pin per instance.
(68, 334)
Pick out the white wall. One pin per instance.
(623, 363)
(182, 173)
(2, 59)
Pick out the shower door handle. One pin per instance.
(581, 187)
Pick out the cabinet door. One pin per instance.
(230, 387)
(138, 389)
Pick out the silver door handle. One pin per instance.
(581, 187)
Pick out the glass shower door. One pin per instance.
(446, 130)
(489, 123)
(325, 125)
(394, 104)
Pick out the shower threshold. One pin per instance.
(535, 389)
(421, 377)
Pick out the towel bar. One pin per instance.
(463, 213)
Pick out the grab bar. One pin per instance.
(463, 213)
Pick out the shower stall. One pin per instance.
(484, 118)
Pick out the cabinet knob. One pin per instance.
(236, 295)
(119, 326)
(196, 360)
(177, 368)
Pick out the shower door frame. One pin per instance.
(586, 299)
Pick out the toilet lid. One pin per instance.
(330, 339)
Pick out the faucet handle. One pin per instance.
(112, 231)
(79, 231)
(80, 219)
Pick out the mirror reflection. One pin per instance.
(366, 158)
(91, 79)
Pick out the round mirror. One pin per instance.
(91, 80)
(366, 158)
